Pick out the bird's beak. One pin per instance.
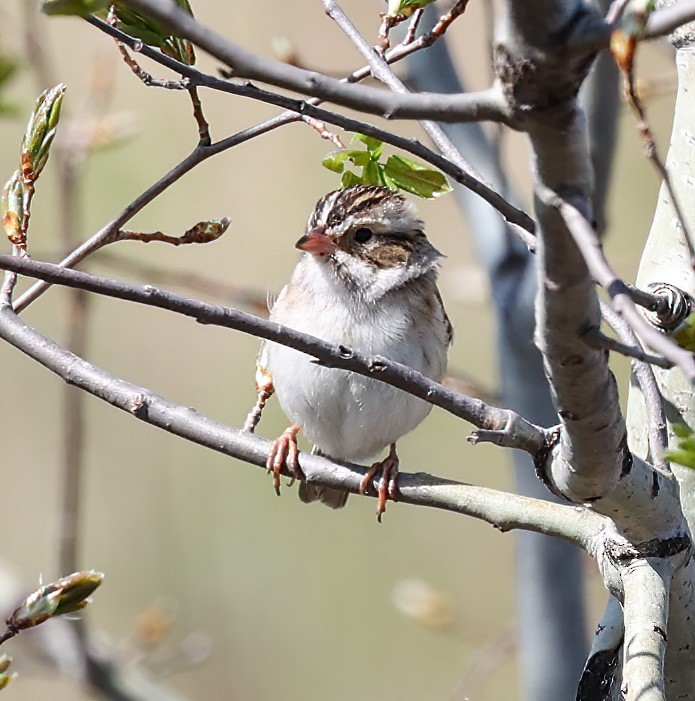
(316, 242)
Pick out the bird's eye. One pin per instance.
(363, 235)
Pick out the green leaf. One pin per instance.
(74, 7)
(374, 146)
(416, 178)
(372, 174)
(349, 179)
(359, 158)
(335, 161)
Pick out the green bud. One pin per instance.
(40, 132)
(12, 203)
(66, 595)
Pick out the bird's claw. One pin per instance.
(284, 453)
(388, 482)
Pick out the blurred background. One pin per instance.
(214, 586)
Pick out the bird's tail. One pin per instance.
(335, 498)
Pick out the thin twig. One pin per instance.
(503, 510)
(204, 138)
(653, 400)
(596, 339)
(202, 232)
(320, 127)
(506, 428)
(586, 239)
(412, 27)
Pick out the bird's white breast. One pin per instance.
(349, 416)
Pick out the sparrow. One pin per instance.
(367, 279)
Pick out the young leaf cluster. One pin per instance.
(397, 173)
(15, 201)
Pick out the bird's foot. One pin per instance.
(284, 453)
(388, 483)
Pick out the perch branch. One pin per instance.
(504, 511)
(507, 428)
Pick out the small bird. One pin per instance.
(367, 280)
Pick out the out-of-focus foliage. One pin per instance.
(684, 454)
(8, 68)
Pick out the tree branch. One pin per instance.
(667, 19)
(500, 426)
(504, 511)
(645, 605)
(485, 105)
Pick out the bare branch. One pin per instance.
(506, 428)
(485, 105)
(503, 510)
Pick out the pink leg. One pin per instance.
(388, 483)
(284, 453)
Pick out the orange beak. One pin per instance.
(316, 242)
